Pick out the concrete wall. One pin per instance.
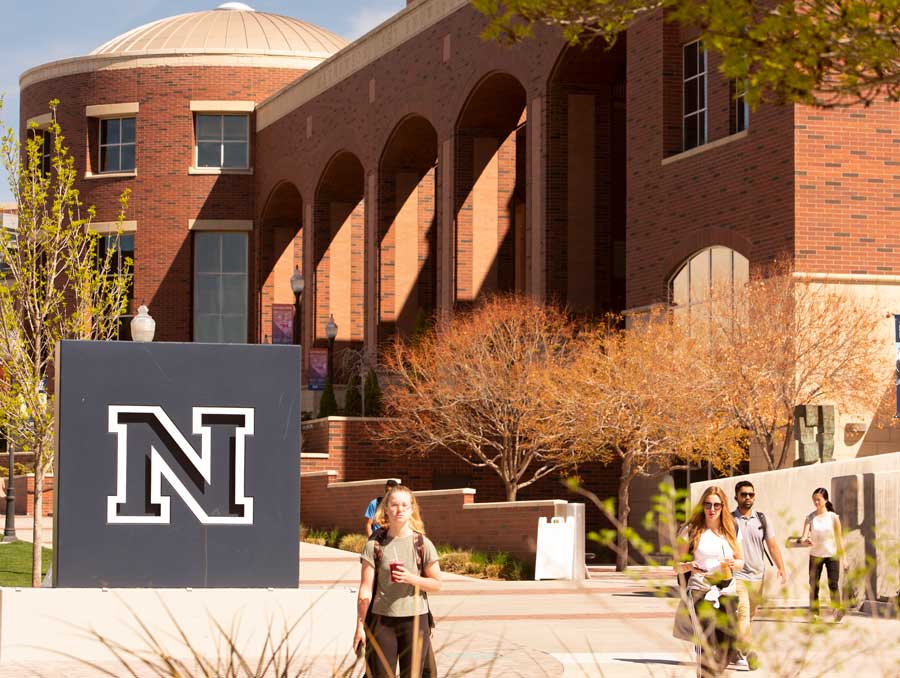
(451, 516)
(865, 493)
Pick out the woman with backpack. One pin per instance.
(822, 532)
(399, 568)
(709, 552)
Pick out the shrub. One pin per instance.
(372, 389)
(353, 399)
(328, 406)
(322, 537)
(353, 542)
(18, 470)
(454, 561)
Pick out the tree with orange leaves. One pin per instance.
(475, 387)
(633, 398)
(785, 340)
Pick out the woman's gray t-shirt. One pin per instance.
(398, 600)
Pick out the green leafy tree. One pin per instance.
(56, 288)
(826, 52)
(372, 392)
(328, 406)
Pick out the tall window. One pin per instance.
(223, 141)
(122, 248)
(220, 287)
(691, 286)
(117, 145)
(741, 108)
(694, 95)
(45, 138)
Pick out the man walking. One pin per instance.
(756, 536)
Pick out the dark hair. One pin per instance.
(821, 491)
(390, 483)
(743, 483)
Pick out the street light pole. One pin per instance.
(9, 530)
(331, 332)
(297, 285)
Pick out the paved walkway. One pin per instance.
(613, 626)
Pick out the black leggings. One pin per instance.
(833, 566)
(718, 626)
(394, 638)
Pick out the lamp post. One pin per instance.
(9, 529)
(297, 285)
(331, 332)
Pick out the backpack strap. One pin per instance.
(765, 528)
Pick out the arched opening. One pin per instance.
(586, 193)
(281, 250)
(692, 284)
(407, 228)
(491, 189)
(339, 226)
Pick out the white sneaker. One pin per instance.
(741, 663)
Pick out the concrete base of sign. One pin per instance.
(50, 625)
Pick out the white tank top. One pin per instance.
(710, 552)
(822, 534)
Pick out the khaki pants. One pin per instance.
(749, 598)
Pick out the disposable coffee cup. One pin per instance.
(394, 565)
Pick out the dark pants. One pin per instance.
(395, 639)
(833, 567)
(719, 628)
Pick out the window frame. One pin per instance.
(222, 141)
(741, 108)
(220, 275)
(735, 258)
(103, 122)
(702, 72)
(103, 243)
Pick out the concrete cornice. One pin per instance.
(848, 278)
(403, 26)
(177, 58)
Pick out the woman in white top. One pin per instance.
(709, 550)
(822, 532)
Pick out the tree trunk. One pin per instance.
(511, 489)
(37, 533)
(623, 508)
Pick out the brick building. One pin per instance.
(420, 166)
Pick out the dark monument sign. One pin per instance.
(177, 465)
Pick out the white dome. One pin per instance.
(233, 28)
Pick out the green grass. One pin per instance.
(15, 563)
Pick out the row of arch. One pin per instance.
(413, 261)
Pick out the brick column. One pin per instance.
(446, 241)
(536, 279)
(370, 255)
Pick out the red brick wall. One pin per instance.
(24, 486)
(848, 189)
(353, 455)
(163, 195)
(740, 194)
(450, 516)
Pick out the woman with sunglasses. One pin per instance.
(708, 549)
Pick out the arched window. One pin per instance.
(690, 287)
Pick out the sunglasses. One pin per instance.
(748, 494)
(710, 506)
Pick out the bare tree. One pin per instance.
(633, 397)
(56, 288)
(783, 341)
(475, 387)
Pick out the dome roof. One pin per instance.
(233, 28)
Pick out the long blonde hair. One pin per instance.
(697, 524)
(415, 519)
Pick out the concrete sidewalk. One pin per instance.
(614, 625)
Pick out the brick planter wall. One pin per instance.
(25, 495)
(451, 516)
(345, 447)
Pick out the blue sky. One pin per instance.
(33, 32)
